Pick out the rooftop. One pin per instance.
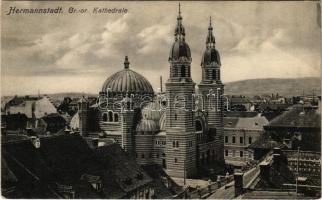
(245, 122)
(63, 159)
(298, 116)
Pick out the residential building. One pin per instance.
(239, 133)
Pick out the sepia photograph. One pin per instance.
(160, 99)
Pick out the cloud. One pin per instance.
(152, 38)
(262, 57)
(251, 41)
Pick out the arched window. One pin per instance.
(183, 71)
(110, 116)
(177, 144)
(104, 117)
(173, 144)
(116, 117)
(198, 126)
(213, 74)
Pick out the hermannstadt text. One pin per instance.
(13, 10)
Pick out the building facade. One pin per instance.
(177, 129)
(240, 132)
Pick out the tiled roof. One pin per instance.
(245, 122)
(19, 100)
(269, 195)
(240, 114)
(298, 117)
(128, 174)
(64, 158)
(239, 100)
(264, 141)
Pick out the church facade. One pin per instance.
(178, 129)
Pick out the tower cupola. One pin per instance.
(180, 49)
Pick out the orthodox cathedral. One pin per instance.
(178, 129)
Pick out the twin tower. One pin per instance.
(182, 124)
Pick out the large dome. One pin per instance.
(179, 49)
(211, 55)
(127, 81)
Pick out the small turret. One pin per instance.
(83, 107)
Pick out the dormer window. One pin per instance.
(95, 181)
(66, 191)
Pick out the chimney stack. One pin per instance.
(238, 178)
(277, 159)
(264, 171)
(277, 150)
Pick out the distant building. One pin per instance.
(54, 122)
(239, 103)
(276, 177)
(32, 107)
(300, 126)
(240, 132)
(35, 113)
(14, 121)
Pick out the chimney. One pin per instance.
(277, 150)
(238, 178)
(264, 171)
(277, 159)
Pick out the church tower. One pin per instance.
(212, 89)
(180, 136)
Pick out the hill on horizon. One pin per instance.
(251, 87)
(268, 86)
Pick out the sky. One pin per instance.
(77, 52)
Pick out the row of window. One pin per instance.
(110, 117)
(214, 74)
(241, 140)
(241, 153)
(150, 155)
(175, 144)
(160, 142)
(183, 70)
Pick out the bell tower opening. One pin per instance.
(183, 71)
